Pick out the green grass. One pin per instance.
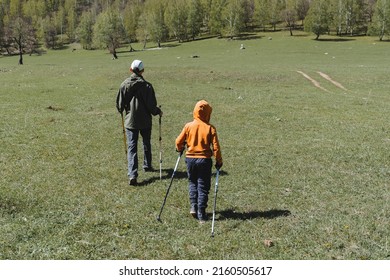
(306, 168)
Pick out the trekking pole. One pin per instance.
(215, 202)
(170, 184)
(159, 139)
(124, 133)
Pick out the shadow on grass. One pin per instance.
(249, 36)
(270, 214)
(167, 175)
(335, 39)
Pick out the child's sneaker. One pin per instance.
(202, 216)
(193, 211)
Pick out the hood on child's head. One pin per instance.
(202, 111)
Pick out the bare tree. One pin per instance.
(22, 34)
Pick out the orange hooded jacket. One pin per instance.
(199, 135)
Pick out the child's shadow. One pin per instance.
(270, 214)
(167, 174)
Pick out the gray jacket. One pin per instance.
(137, 98)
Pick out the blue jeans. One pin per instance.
(199, 181)
(132, 150)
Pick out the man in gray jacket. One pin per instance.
(137, 98)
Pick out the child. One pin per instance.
(202, 143)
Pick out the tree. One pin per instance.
(319, 18)
(108, 31)
(131, 16)
(339, 12)
(2, 25)
(22, 34)
(176, 16)
(49, 32)
(156, 25)
(289, 15)
(216, 23)
(85, 30)
(234, 16)
(262, 13)
(34, 9)
(302, 7)
(353, 16)
(195, 18)
(276, 7)
(142, 30)
(71, 19)
(380, 25)
(15, 8)
(369, 10)
(349, 16)
(206, 6)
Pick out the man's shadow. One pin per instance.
(269, 214)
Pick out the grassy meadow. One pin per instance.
(304, 131)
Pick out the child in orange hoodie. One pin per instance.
(202, 143)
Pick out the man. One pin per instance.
(137, 98)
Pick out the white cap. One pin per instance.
(137, 65)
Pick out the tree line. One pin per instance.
(28, 25)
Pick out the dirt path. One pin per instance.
(337, 84)
(315, 83)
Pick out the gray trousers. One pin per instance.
(132, 150)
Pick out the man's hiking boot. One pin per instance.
(148, 169)
(133, 181)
